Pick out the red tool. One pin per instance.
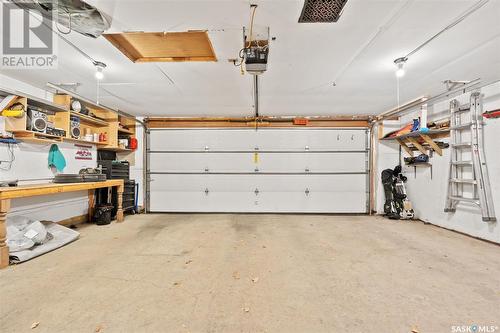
(492, 114)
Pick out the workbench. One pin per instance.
(9, 193)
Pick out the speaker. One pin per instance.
(37, 120)
(75, 127)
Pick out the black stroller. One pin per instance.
(397, 206)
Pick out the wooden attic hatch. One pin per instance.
(164, 46)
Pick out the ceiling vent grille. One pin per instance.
(321, 11)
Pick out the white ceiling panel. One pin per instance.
(356, 53)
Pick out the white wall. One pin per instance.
(31, 165)
(137, 169)
(428, 195)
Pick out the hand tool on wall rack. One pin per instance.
(492, 114)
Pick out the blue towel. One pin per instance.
(56, 158)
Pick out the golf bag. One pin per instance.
(397, 206)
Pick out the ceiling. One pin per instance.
(356, 53)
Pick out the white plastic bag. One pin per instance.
(16, 240)
(36, 232)
(23, 233)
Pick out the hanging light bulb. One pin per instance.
(99, 74)
(400, 71)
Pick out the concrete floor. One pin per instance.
(256, 273)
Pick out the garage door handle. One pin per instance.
(307, 192)
(306, 148)
(307, 170)
(256, 191)
(207, 169)
(206, 148)
(206, 191)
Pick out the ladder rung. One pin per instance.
(461, 145)
(461, 127)
(455, 198)
(463, 108)
(460, 110)
(464, 181)
(462, 163)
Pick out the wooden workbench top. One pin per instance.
(53, 188)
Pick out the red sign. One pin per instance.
(83, 152)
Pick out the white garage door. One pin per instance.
(269, 170)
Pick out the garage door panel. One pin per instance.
(199, 140)
(313, 162)
(314, 202)
(263, 139)
(311, 139)
(248, 183)
(317, 183)
(267, 162)
(281, 202)
(199, 162)
(166, 201)
(199, 183)
(253, 193)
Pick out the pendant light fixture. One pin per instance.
(99, 74)
(400, 62)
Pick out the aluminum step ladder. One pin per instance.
(466, 130)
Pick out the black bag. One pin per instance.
(102, 215)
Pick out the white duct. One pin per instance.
(75, 15)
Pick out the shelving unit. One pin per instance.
(99, 120)
(413, 141)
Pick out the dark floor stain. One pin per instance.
(247, 226)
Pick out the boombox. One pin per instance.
(75, 127)
(37, 120)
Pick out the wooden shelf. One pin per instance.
(37, 140)
(36, 137)
(35, 101)
(431, 133)
(423, 164)
(90, 120)
(47, 138)
(116, 149)
(411, 141)
(126, 131)
(86, 142)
